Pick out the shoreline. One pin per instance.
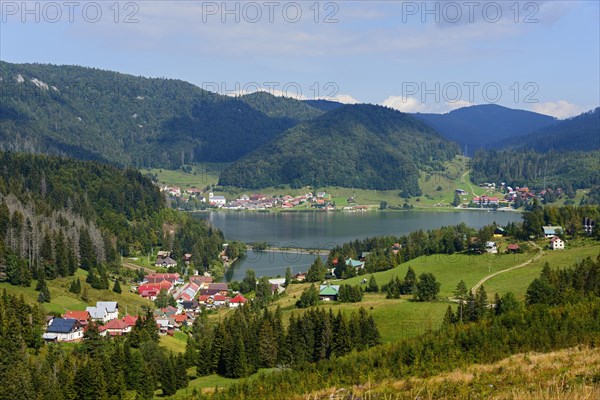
(419, 209)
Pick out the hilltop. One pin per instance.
(360, 146)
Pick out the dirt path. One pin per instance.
(535, 258)
(136, 267)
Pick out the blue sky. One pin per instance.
(423, 56)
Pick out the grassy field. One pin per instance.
(437, 187)
(63, 300)
(564, 374)
(201, 175)
(518, 281)
(175, 343)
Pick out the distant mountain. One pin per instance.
(361, 146)
(101, 115)
(578, 133)
(485, 126)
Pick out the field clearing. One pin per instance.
(175, 343)
(201, 175)
(450, 269)
(518, 281)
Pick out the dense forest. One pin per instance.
(566, 170)
(93, 114)
(58, 214)
(250, 339)
(360, 146)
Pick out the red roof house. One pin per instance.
(82, 316)
(237, 301)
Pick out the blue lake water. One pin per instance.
(324, 230)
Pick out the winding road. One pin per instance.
(535, 258)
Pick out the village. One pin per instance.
(500, 197)
(195, 293)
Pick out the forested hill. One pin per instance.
(566, 170)
(485, 126)
(281, 107)
(361, 146)
(578, 133)
(101, 115)
(57, 214)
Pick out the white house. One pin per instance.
(557, 243)
(64, 330)
(218, 201)
(104, 311)
(550, 231)
(491, 247)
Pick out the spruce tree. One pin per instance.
(372, 285)
(117, 287)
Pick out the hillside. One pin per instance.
(58, 214)
(485, 126)
(102, 115)
(360, 146)
(281, 107)
(580, 133)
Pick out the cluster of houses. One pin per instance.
(257, 201)
(511, 195)
(73, 324)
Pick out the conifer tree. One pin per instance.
(117, 287)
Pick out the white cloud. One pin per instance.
(560, 109)
(343, 98)
(412, 105)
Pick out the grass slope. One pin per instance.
(63, 300)
(566, 374)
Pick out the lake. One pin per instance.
(324, 230)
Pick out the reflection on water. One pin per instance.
(324, 230)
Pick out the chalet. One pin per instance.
(130, 320)
(513, 248)
(396, 248)
(300, 277)
(115, 327)
(190, 306)
(180, 320)
(557, 243)
(217, 201)
(163, 254)
(222, 288)
(328, 292)
(461, 192)
(188, 292)
(237, 301)
(64, 330)
(165, 262)
(491, 247)
(201, 280)
(104, 311)
(157, 278)
(219, 300)
(550, 231)
(82, 316)
(151, 290)
(187, 258)
(209, 292)
(204, 299)
(355, 264)
(499, 232)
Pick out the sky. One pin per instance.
(415, 56)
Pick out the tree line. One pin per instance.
(250, 339)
